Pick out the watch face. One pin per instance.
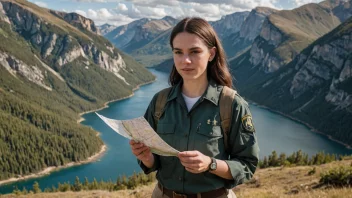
(213, 166)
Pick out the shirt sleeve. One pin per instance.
(149, 116)
(243, 146)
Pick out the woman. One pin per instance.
(191, 122)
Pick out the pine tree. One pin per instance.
(86, 184)
(36, 188)
(24, 191)
(77, 185)
(94, 184)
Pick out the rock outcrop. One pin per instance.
(77, 21)
(285, 33)
(253, 24)
(15, 66)
(329, 62)
(229, 24)
(59, 48)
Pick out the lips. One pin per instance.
(187, 69)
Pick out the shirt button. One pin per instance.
(186, 134)
(180, 178)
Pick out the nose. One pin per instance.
(186, 59)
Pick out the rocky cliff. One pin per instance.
(253, 23)
(315, 87)
(249, 30)
(285, 33)
(53, 66)
(229, 24)
(106, 28)
(77, 21)
(136, 34)
(56, 46)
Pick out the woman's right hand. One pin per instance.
(142, 152)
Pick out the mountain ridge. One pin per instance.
(52, 67)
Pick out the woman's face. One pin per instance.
(191, 56)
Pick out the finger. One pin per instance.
(190, 159)
(132, 142)
(192, 166)
(188, 154)
(139, 145)
(139, 150)
(192, 170)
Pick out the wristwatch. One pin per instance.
(213, 164)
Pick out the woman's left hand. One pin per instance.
(194, 161)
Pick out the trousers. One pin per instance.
(157, 193)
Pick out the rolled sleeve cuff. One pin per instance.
(147, 170)
(236, 169)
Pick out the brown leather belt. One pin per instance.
(209, 194)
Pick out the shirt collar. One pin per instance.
(212, 93)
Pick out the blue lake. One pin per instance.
(274, 132)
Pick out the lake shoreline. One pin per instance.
(90, 159)
(312, 129)
(106, 104)
(51, 169)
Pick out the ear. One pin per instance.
(212, 53)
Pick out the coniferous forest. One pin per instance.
(38, 125)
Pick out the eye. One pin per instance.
(195, 52)
(177, 52)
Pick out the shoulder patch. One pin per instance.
(247, 123)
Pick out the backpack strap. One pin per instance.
(226, 99)
(160, 104)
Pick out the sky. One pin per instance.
(120, 12)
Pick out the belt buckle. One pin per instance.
(176, 195)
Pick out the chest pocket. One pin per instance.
(210, 131)
(167, 132)
(209, 140)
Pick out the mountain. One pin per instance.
(341, 9)
(285, 33)
(157, 53)
(138, 33)
(240, 40)
(314, 88)
(77, 20)
(54, 65)
(229, 24)
(106, 28)
(143, 39)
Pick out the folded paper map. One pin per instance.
(139, 130)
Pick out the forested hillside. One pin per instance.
(54, 65)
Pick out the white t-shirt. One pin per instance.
(190, 101)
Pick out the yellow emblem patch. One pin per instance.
(248, 123)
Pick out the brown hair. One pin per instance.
(217, 69)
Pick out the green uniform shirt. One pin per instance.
(200, 129)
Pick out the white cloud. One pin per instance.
(122, 7)
(97, 1)
(81, 12)
(92, 14)
(209, 9)
(242, 4)
(41, 4)
(155, 3)
(105, 15)
(151, 12)
(302, 2)
(129, 10)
